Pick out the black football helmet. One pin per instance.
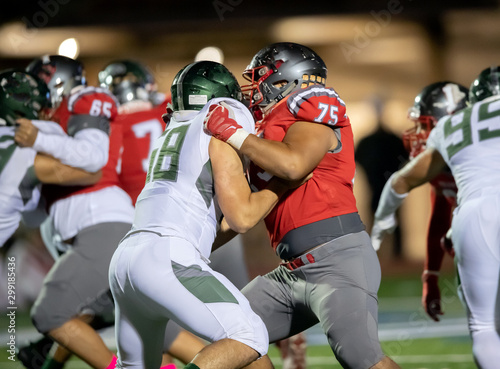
(279, 69)
(22, 95)
(128, 80)
(485, 85)
(198, 82)
(432, 103)
(60, 73)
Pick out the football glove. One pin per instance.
(220, 123)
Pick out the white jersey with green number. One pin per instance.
(178, 197)
(469, 142)
(17, 192)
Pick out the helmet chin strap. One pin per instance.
(280, 97)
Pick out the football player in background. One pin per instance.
(22, 170)
(330, 272)
(90, 220)
(431, 104)
(468, 143)
(139, 114)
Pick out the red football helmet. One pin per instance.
(432, 103)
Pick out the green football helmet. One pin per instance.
(485, 85)
(198, 82)
(128, 80)
(22, 95)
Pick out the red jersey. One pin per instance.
(329, 192)
(93, 101)
(140, 130)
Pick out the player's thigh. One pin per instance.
(212, 307)
(476, 237)
(270, 296)
(344, 298)
(191, 293)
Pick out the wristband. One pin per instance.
(431, 272)
(237, 139)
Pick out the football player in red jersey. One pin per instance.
(139, 114)
(433, 102)
(330, 272)
(90, 220)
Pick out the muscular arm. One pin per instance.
(242, 209)
(50, 170)
(418, 171)
(301, 150)
(87, 150)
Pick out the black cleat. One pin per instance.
(33, 355)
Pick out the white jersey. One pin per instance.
(17, 192)
(469, 142)
(178, 198)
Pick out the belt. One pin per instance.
(301, 260)
(298, 262)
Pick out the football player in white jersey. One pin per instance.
(160, 271)
(469, 143)
(23, 96)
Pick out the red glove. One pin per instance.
(220, 123)
(431, 296)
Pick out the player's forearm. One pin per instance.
(88, 150)
(256, 208)
(439, 224)
(51, 171)
(390, 200)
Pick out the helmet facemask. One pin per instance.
(415, 138)
(278, 70)
(431, 104)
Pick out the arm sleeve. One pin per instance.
(389, 201)
(87, 150)
(48, 127)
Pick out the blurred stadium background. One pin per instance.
(379, 54)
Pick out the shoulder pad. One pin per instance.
(94, 101)
(317, 104)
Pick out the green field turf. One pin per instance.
(399, 304)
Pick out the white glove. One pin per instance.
(381, 227)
